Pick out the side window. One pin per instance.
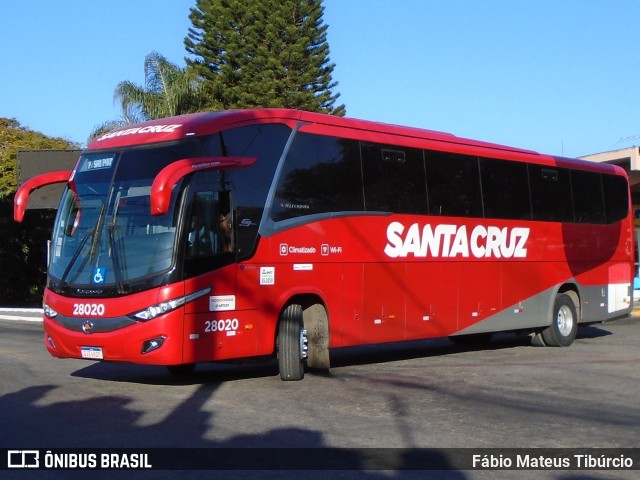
(250, 185)
(394, 179)
(320, 175)
(588, 201)
(505, 189)
(616, 197)
(201, 236)
(551, 198)
(209, 237)
(453, 184)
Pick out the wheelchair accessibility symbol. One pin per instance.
(98, 275)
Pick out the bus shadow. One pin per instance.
(111, 421)
(593, 331)
(397, 351)
(391, 352)
(205, 373)
(215, 373)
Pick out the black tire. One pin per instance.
(564, 323)
(183, 370)
(292, 347)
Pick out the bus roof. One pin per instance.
(206, 123)
(196, 124)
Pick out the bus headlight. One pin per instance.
(154, 311)
(158, 309)
(48, 311)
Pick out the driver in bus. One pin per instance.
(225, 232)
(201, 239)
(204, 241)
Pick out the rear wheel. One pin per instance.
(292, 344)
(564, 324)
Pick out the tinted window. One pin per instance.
(320, 175)
(145, 163)
(453, 184)
(616, 197)
(209, 237)
(505, 189)
(588, 202)
(250, 185)
(394, 179)
(550, 194)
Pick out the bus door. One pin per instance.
(208, 237)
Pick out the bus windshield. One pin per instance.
(104, 235)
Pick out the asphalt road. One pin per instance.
(429, 394)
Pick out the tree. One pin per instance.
(265, 53)
(168, 90)
(22, 245)
(15, 137)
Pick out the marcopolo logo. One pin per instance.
(450, 241)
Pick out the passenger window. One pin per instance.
(588, 201)
(453, 184)
(320, 175)
(616, 197)
(551, 199)
(394, 179)
(505, 189)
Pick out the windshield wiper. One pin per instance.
(115, 256)
(63, 280)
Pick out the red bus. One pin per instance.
(273, 232)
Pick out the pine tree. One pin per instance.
(262, 53)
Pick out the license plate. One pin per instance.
(94, 353)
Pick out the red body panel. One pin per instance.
(378, 276)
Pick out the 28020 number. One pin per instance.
(228, 325)
(82, 309)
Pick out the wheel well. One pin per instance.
(316, 322)
(571, 290)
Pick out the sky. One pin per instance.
(554, 76)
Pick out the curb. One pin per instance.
(21, 314)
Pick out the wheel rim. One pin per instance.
(304, 344)
(565, 320)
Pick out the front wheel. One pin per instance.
(292, 344)
(564, 324)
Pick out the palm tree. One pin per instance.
(168, 90)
